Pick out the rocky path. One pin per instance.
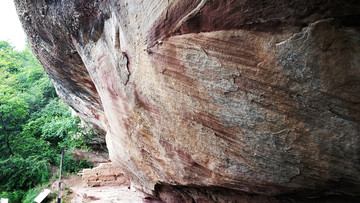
(74, 191)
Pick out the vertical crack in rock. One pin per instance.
(122, 67)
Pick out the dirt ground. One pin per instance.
(75, 191)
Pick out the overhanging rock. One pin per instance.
(204, 100)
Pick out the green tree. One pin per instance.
(34, 125)
(13, 110)
(19, 173)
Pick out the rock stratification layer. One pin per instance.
(202, 100)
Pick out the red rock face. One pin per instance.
(207, 101)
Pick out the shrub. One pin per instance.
(18, 173)
(71, 165)
(14, 196)
(34, 192)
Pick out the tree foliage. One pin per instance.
(13, 110)
(23, 173)
(34, 124)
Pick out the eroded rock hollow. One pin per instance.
(209, 100)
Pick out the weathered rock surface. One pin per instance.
(203, 100)
(106, 174)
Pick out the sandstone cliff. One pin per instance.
(202, 100)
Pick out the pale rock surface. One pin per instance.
(204, 101)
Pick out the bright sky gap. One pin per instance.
(10, 26)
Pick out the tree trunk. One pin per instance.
(7, 135)
(8, 144)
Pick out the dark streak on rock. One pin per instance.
(249, 15)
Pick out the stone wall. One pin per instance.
(106, 174)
